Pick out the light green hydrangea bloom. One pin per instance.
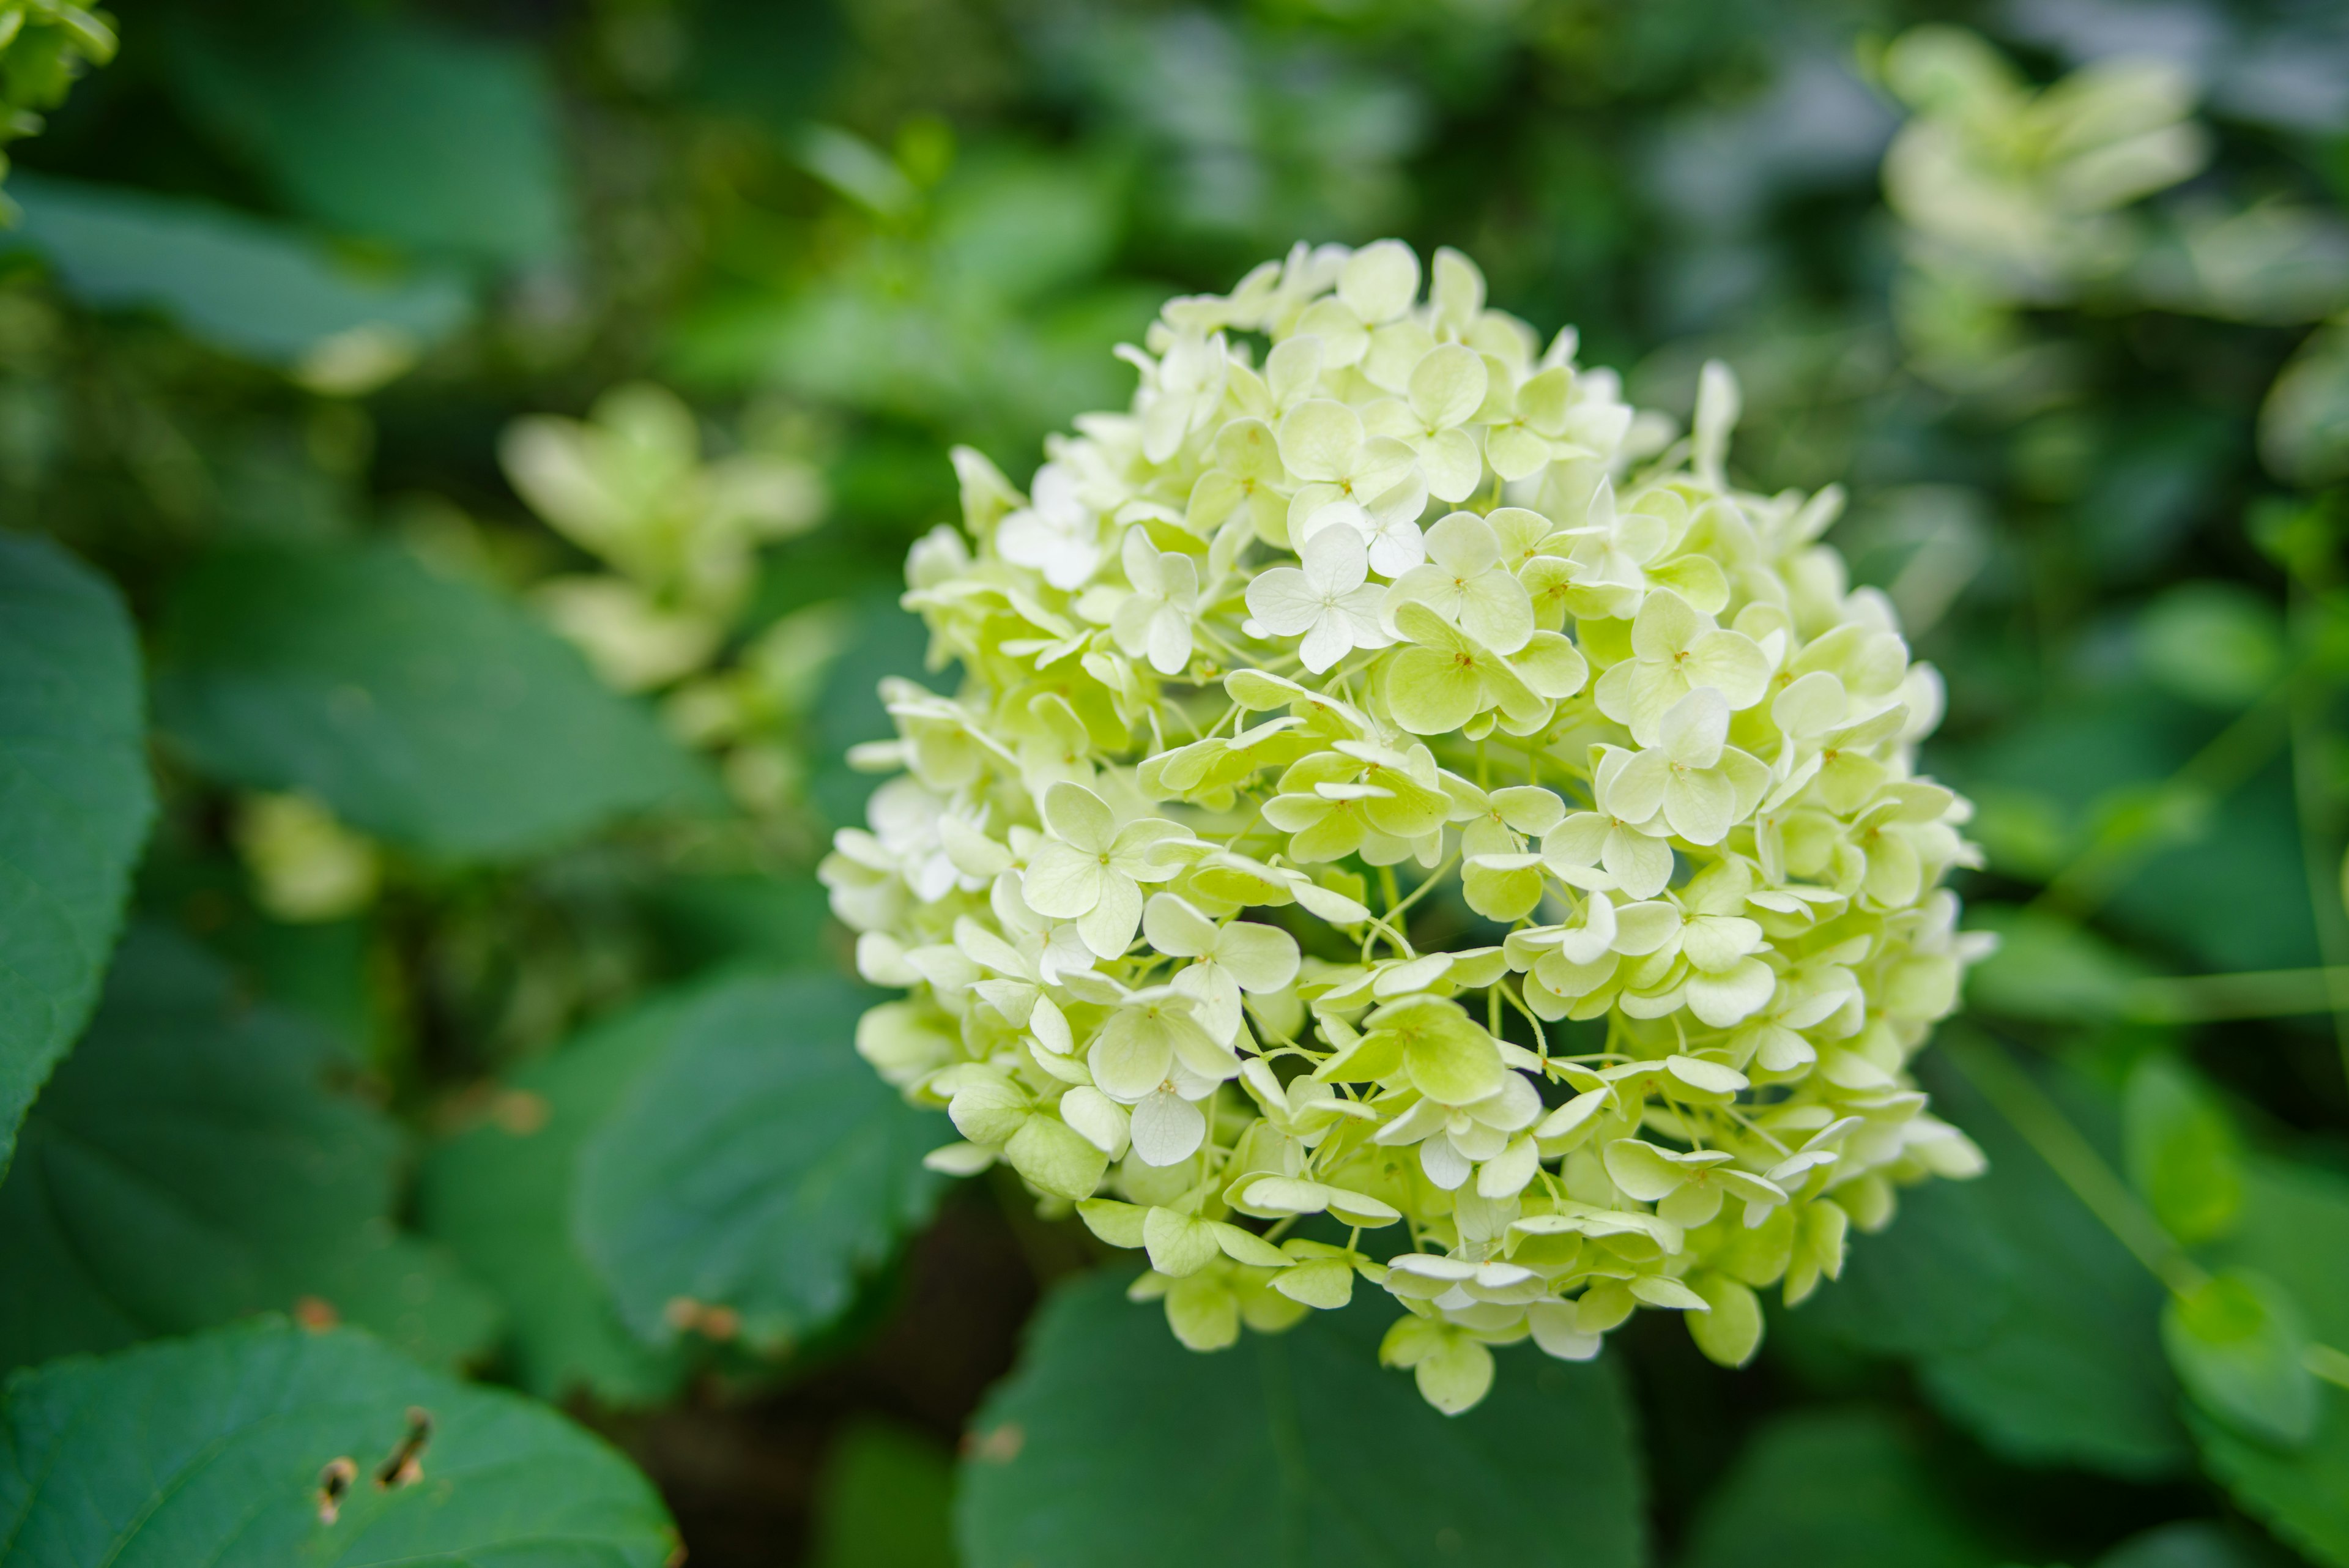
(1394, 780)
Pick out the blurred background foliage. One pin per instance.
(377, 351)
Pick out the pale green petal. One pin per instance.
(1380, 280)
(1078, 816)
(1430, 692)
(1109, 926)
(1448, 385)
(1260, 957)
(1319, 439)
(1132, 1055)
(1063, 883)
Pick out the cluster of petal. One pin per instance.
(1373, 605)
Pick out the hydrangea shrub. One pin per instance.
(1407, 817)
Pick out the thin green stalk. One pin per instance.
(2070, 1155)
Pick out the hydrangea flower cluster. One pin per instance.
(1406, 817)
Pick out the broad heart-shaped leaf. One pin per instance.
(1111, 1443)
(2073, 1373)
(386, 126)
(2295, 1229)
(75, 803)
(759, 1166)
(193, 1162)
(1832, 1489)
(422, 710)
(254, 288)
(500, 1196)
(213, 1450)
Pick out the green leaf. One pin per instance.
(74, 804)
(759, 1166)
(2304, 423)
(214, 1450)
(500, 1195)
(2181, 1149)
(1111, 1443)
(2236, 1343)
(241, 284)
(2074, 1373)
(2295, 1230)
(420, 710)
(885, 1500)
(1832, 1489)
(2047, 968)
(193, 1162)
(2220, 644)
(387, 126)
(2193, 1543)
(1940, 1279)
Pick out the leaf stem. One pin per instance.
(2016, 1097)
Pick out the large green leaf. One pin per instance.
(2072, 1371)
(500, 1195)
(424, 711)
(759, 1166)
(1111, 1443)
(194, 1161)
(885, 1500)
(1939, 1278)
(245, 285)
(387, 126)
(1832, 1489)
(216, 1450)
(2295, 1229)
(75, 803)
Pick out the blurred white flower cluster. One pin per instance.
(2015, 198)
(629, 485)
(1393, 781)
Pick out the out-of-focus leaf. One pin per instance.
(2193, 1543)
(1940, 1279)
(2048, 968)
(2294, 1230)
(1832, 1489)
(885, 1500)
(500, 1195)
(420, 710)
(885, 641)
(2098, 765)
(217, 1450)
(703, 921)
(241, 284)
(2074, 1374)
(1016, 228)
(760, 1169)
(1111, 1443)
(2181, 1150)
(193, 1162)
(2237, 1343)
(387, 126)
(768, 58)
(2216, 643)
(2304, 423)
(75, 803)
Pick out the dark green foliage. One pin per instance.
(1113, 1443)
(420, 709)
(75, 803)
(197, 1159)
(756, 1165)
(218, 1449)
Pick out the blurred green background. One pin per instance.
(375, 351)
